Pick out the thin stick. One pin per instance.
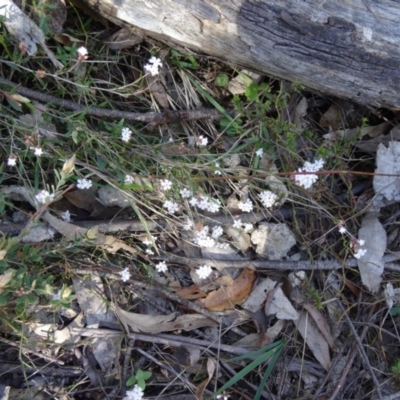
(36, 353)
(150, 117)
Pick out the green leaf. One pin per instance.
(251, 92)
(131, 381)
(222, 80)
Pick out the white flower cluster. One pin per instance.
(135, 394)
(83, 53)
(217, 231)
(203, 238)
(246, 206)
(125, 275)
(171, 206)
(126, 134)
(268, 198)
(153, 66)
(204, 271)
(188, 225)
(66, 216)
(186, 193)
(201, 141)
(260, 152)
(205, 204)
(149, 241)
(162, 266)
(239, 225)
(165, 185)
(308, 179)
(44, 197)
(84, 184)
(217, 171)
(128, 180)
(12, 161)
(360, 252)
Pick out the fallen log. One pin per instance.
(346, 48)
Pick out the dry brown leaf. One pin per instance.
(278, 304)
(314, 339)
(161, 323)
(191, 293)
(71, 232)
(227, 297)
(123, 39)
(5, 278)
(84, 199)
(203, 385)
(321, 323)
(68, 40)
(332, 118)
(159, 92)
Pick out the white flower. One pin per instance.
(217, 232)
(162, 267)
(268, 198)
(206, 242)
(171, 206)
(165, 184)
(246, 206)
(129, 179)
(135, 394)
(84, 184)
(125, 275)
(389, 295)
(360, 253)
(361, 242)
(82, 52)
(44, 197)
(260, 152)
(12, 161)
(201, 141)
(217, 172)
(342, 230)
(126, 134)
(150, 252)
(237, 224)
(186, 193)
(37, 151)
(214, 206)
(188, 226)
(193, 202)
(248, 227)
(204, 271)
(153, 66)
(66, 216)
(307, 180)
(149, 241)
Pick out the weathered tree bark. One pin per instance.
(347, 48)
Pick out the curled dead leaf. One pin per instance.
(161, 323)
(226, 297)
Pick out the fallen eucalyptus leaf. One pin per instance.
(226, 297)
(371, 264)
(161, 323)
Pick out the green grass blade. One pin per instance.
(267, 374)
(257, 352)
(254, 364)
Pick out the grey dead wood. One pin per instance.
(344, 48)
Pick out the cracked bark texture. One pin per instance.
(347, 48)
